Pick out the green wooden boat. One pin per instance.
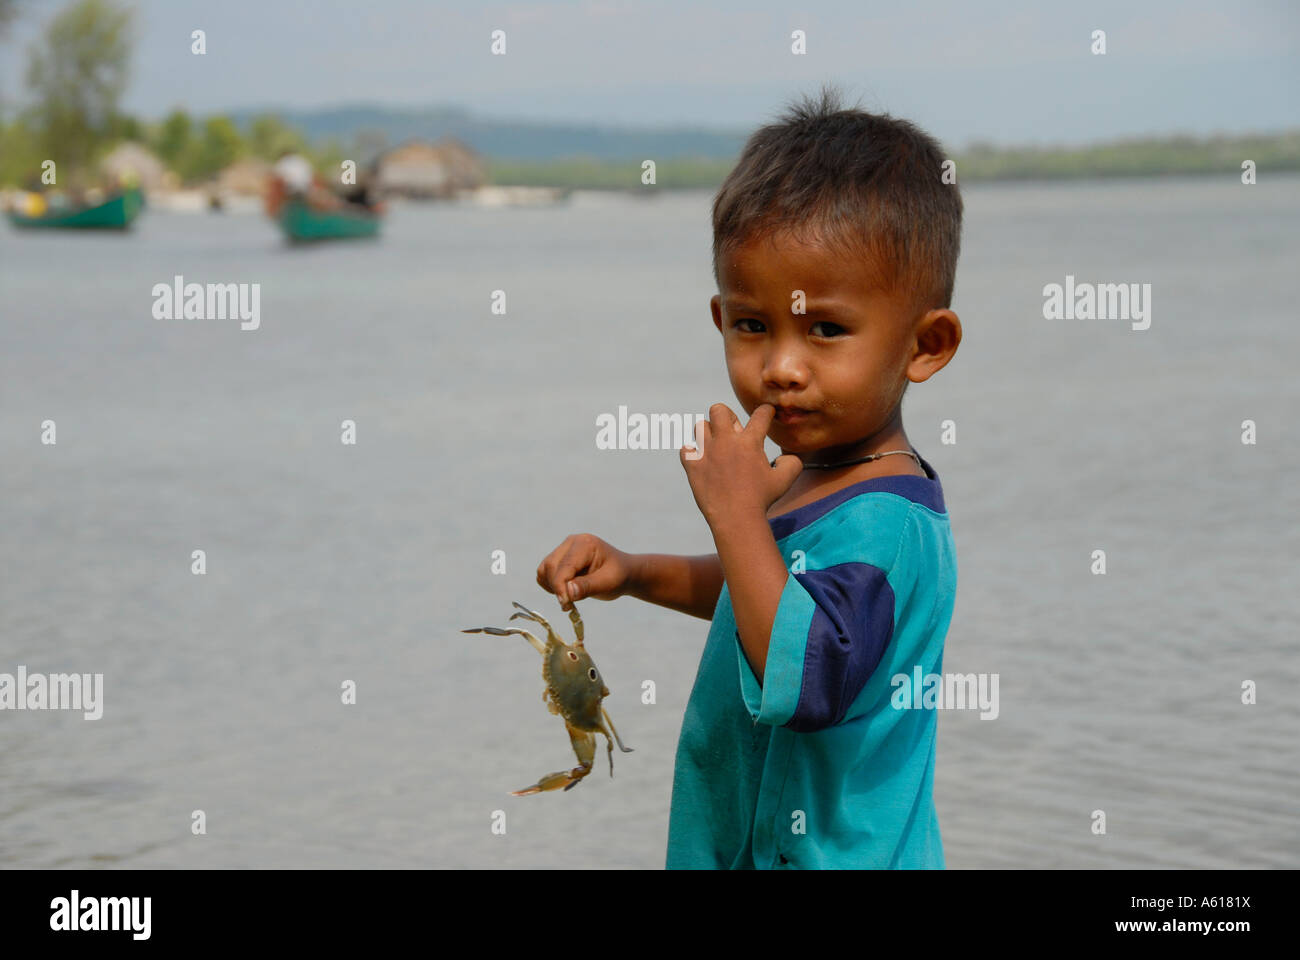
(115, 213)
(302, 224)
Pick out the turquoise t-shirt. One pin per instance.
(817, 768)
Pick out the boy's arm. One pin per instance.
(686, 584)
(756, 575)
(734, 485)
(586, 566)
(812, 641)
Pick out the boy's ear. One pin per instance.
(937, 338)
(715, 304)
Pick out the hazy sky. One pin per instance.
(1004, 71)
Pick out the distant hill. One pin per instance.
(517, 140)
(587, 155)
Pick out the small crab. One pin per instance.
(574, 690)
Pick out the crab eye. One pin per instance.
(572, 655)
(592, 673)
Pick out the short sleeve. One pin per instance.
(831, 629)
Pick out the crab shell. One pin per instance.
(574, 686)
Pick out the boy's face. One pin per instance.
(836, 373)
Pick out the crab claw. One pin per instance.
(555, 781)
(584, 747)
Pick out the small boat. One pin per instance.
(115, 213)
(302, 223)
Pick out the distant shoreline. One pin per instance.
(1159, 157)
(620, 186)
(697, 166)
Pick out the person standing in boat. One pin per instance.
(296, 172)
(292, 178)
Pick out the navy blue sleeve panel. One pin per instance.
(852, 624)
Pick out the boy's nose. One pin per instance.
(785, 369)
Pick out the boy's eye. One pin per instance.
(828, 330)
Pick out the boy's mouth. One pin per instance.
(792, 414)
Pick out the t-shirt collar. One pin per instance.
(927, 491)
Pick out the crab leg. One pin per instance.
(610, 724)
(537, 618)
(498, 632)
(584, 745)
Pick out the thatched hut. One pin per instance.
(132, 162)
(244, 178)
(426, 170)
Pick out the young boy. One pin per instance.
(835, 249)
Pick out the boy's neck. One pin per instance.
(812, 485)
(890, 437)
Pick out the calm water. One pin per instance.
(476, 433)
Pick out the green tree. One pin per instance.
(76, 77)
(8, 14)
(126, 127)
(220, 146)
(269, 136)
(20, 162)
(173, 139)
(11, 134)
(327, 157)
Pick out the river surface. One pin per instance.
(475, 433)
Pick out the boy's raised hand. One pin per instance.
(728, 471)
(585, 566)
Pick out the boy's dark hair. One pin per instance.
(867, 185)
